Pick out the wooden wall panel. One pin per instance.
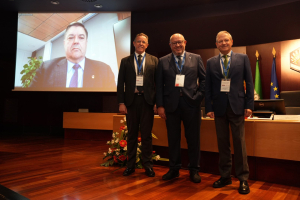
(269, 139)
(280, 140)
(98, 121)
(208, 137)
(160, 131)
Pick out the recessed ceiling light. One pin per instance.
(55, 2)
(98, 6)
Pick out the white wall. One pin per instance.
(58, 48)
(101, 42)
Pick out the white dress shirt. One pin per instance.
(71, 71)
(228, 59)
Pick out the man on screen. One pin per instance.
(74, 70)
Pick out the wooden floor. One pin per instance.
(57, 169)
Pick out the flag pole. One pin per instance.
(257, 54)
(274, 89)
(257, 82)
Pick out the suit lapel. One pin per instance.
(172, 63)
(88, 74)
(218, 64)
(188, 59)
(232, 66)
(131, 63)
(147, 63)
(61, 73)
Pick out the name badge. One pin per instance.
(225, 85)
(179, 81)
(139, 80)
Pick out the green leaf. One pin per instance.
(29, 71)
(106, 164)
(107, 155)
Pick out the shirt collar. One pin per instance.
(71, 64)
(180, 55)
(228, 55)
(142, 54)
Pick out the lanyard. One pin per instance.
(182, 63)
(137, 63)
(225, 71)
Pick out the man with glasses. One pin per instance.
(137, 101)
(180, 81)
(227, 102)
(75, 70)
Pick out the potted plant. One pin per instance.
(29, 70)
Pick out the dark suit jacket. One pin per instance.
(240, 70)
(53, 74)
(167, 94)
(127, 78)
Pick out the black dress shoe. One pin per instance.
(172, 173)
(222, 182)
(128, 171)
(194, 176)
(149, 172)
(244, 187)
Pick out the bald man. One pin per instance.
(180, 81)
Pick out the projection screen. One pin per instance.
(83, 58)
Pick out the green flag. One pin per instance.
(257, 85)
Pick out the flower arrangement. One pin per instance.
(117, 152)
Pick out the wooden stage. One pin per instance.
(42, 168)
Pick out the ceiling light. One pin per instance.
(55, 2)
(98, 6)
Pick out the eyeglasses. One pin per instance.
(178, 42)
(221, 41)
